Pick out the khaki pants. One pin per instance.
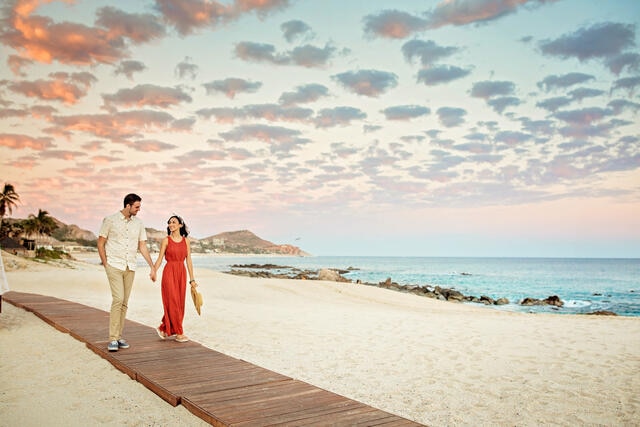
(121, 283)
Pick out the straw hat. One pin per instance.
(197, 298)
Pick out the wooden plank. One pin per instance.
(221, 390)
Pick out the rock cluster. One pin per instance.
(336, 275)
(438, 292)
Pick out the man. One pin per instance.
(121, 236)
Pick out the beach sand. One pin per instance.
(438, 363)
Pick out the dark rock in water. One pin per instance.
(261, 266)
(603, 313)
(552, 300)
(502, 301)
(486, 300)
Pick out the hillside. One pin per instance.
(245, 242)
(233, 242)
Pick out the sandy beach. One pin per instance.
(434, 362)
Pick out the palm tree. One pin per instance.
(8, 200)
(42, 224)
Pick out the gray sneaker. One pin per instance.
(123, 343)
(113, 346)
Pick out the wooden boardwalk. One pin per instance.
(220, 389)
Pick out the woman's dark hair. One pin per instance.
(130, 199)
(184, 232)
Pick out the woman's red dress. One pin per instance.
(174, 286)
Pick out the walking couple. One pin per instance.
(121, 236)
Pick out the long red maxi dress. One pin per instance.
(174, 286)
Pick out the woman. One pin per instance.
(176, 249)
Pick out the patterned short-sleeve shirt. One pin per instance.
(123, 236)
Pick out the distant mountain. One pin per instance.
(245, 242)
(233, 242)
(72, 232)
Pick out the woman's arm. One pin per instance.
(163, 248)
(192, 280)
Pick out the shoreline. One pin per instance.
(434, 362)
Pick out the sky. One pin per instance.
(391, 128)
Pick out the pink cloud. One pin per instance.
(20, 142)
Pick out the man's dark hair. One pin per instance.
(130, 199)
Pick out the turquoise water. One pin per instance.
(584, 284)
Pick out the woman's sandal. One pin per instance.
(161, 334)
(181, 338)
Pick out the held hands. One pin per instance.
(193, 283)
(152, 275)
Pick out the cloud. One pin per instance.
(583, 116)
(62, 154)
(147, 95)
(6, 113)
(554, 104)
(474, 147)
(63, 87)
(451, 117)
(538, 128)
(17, 63)
(222, 114)
(238, 153)
(42, 40)
(405, 112)
(306, 56)
(441, 74)
(393, 24)
(630, 61)
(19, 142)
(502, 103)
(295, 29)
(186, 69)
(488, 89)
(188, 16)
(564, 81)
(604, 40)
(338, 116)
(464, 12)
(128, 67)
(582, 93)
(271, 112)
(230, 87)
(428, 51)
(282, 140)
(261, 7)
(121, 125)
(311, 56)
(619, 105)
(275, 112)
(150, 145)
(512, 138)
(371, 83)
(342, 150)
(139, 28)
(304, 94)
(628, 83)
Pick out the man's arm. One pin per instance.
(102, 241)
(142, 247)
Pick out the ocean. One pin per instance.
(584, 285)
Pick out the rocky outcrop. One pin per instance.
(331, 275)
(245, 242)
(603, 313)
(553, 300)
